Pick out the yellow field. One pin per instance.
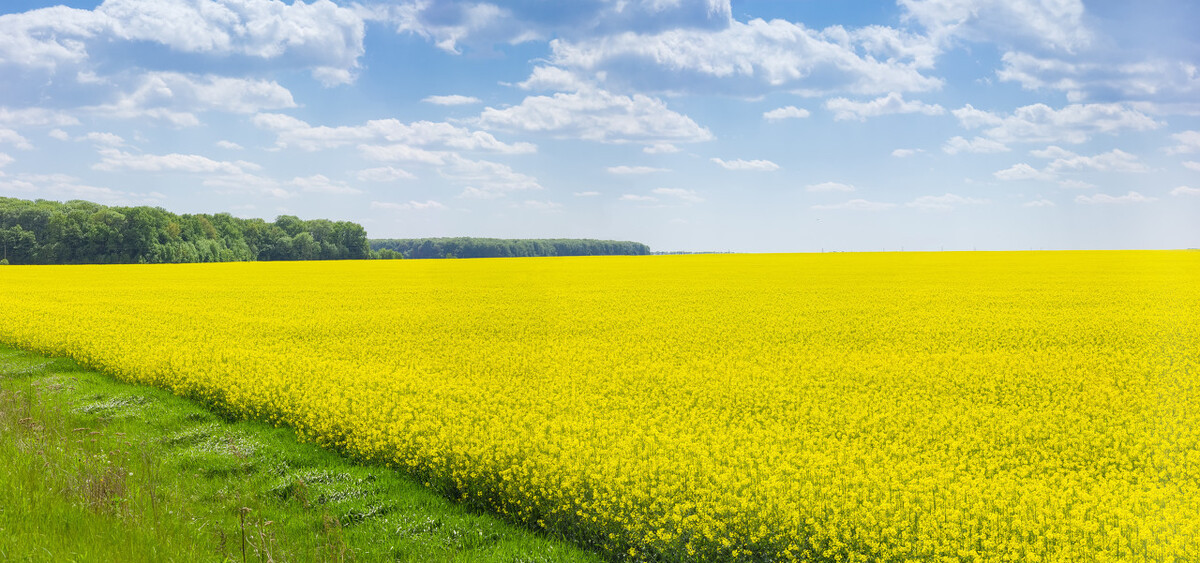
(849, 407)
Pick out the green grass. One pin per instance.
(92, 469)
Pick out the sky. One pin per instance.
(689, 125)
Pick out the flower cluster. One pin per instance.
(1040, 406)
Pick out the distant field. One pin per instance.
(971, 406)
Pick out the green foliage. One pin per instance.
(82, 232)
(467, 247)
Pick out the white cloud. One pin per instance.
(905, 153)
(1054, 24)
(1192, 165)
(1189, 142)
(976, 145)
(113, 160)
(409, 206)
(635, 197)
(487, 179)
(5, 160)
(552, 78)
(319, 183)
(384, 174)
(597, 115)
(11, 137)
(843, 108)
(292, 132)
(175, 97)
(229, 145)
(1022, 171)
(857, 205)
(451, 100)
(943, 202)
(660, 148)
(1185, 190)
(1144, 79)
(634, 170)
(1075, 123)
(105, 139)
(1131, 197)
(59, 134)
(244, 181)
(739, 164)
(757, 56)
(681, 193)
(320, 36)
(1038, 203)
(36, 117)
(405, 153)
(829, 187)
(787, 112)
(1115, 160)
(586, 194)
(1075, 185)
(455, 25)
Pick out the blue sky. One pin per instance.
(751, 126)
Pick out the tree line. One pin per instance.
(469, 247)
(82, 232)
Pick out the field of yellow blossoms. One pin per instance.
(1040, 406)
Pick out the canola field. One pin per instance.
(1040, 406)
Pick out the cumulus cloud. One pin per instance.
(104, 139)
(320, 36)
(451, 100)
(829, 187)
(175, 97)
(486, 179)
(597, 115)
(639, 198)
(1189, 142)
(1075, 123)
(229, 145)
(1131, 197)
(1049, 24)
(1115, 160)
(739, 164)
(455, 25)
(1192, 165)
(5, 160)
(625, 170)
(757, 56)
(319, 183)
(786, 112)
(292, 132)
(113, 160)
(1022, 171)
(588, 193)
(1185, 190)
(9, 136)
(843, 108)
(36, 117)
(681, 193)
(660, 148)
(553, 78)
(427, 205)
(856, 205)
(384, 174)
(1154, 79)
(943, 202)
(977, 145)
(905, 153)
(1038, 203)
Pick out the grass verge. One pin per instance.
(99, 470)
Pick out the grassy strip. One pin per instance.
(99, 470)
